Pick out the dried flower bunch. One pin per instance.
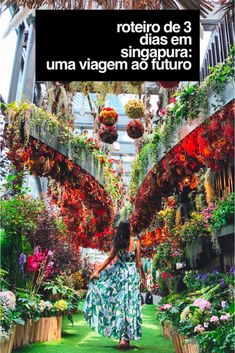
(134, 109)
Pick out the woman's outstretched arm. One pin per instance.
(111, 256)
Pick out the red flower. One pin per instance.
(59, 157)
(173, 100)
(32, 265)
(165, 274)
(163, 111)
(25, 156)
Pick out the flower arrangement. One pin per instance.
(169, 84)
(135, 129)
(184, 160)
(108, 116)
(134, 109)
(36, 267)
(108, 134)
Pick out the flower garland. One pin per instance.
(27, 117)
(42, 160)
(210, 144)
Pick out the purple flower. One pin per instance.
(222, 282)
(203, 278)
(232, 271)
(216, 272)
(22, 261)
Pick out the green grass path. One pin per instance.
(80, 339)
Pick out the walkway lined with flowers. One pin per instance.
(79, 338)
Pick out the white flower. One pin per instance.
(5, 335)
(8, 299)
(48, 305)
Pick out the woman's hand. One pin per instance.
(95, 274)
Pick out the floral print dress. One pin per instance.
(113, 302)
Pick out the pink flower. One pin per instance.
(173, 100)
(225, 317)
(223, 304)
(176, 253)
(202, 304)
(214, 318)
(163, 111)
(199, 329)
(165, 307)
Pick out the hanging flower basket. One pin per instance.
(134, 109)
(169, 84)
(135, 129)
(108, 134)
(108, 116)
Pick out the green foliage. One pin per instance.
(219, 340)
(195, 236)
(18, 218)
(224, 213)
(56, 289)
(28, 305)
(139, 167)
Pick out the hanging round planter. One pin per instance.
(135, 129)
(169, 84)
(108, 134)
(108, 116)
(134, 109)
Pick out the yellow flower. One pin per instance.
(61, 305)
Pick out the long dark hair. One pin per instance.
(122, 236)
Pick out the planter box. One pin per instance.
(178, 342)
(46, 329)
(6, 347)
(192, 348)
(166, 330)
(188, 347)
(22, 333)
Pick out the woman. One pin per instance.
(113, 302)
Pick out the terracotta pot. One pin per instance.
(6, 347)
(46, 329)
(22, 333)
(177, 340)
